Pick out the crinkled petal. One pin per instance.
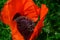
(40, 23)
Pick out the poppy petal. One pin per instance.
(15, 33)
(40, 24)
(44, 11)
(37, 29)
(31, 10)
(10, 8)
(8, 11)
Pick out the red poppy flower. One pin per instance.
(20, 14)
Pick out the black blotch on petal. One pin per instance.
(16, 15)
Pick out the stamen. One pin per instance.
(25, 26)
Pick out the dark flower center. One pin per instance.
(25, 26)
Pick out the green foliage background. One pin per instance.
(51, 30)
